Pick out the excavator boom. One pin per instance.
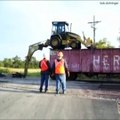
(32, 49)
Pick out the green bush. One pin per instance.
(4, 71)
(34, 74)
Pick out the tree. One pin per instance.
(1, 64)
(103, 43)
(17, 62)
(7, 62)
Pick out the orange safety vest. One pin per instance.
(59, 67)
(44, 65)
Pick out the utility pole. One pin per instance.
(119, 37)
(93, 26)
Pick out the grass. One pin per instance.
(36, 73)
(31, 72)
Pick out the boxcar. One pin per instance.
(91, 62)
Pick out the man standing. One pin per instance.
(60, 68)
(44, 66)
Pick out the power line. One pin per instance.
(93, 26)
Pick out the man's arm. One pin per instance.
(65, 64)
(49, 67)
(53, 68)
(66, 68)
(40, 64)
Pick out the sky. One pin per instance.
(23, 23)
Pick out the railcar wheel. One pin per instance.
(72, 76)
(90, 75)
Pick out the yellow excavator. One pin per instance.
(60, 38)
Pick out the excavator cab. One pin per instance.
(61, 37)
(59, 27)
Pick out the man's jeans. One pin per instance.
(60, 80)
(44, 78)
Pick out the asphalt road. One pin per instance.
(23, 101)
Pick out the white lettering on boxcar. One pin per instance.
(105, 61)
(116, 62)
(96, 62)
(75, 66)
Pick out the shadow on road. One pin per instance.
(25, 91)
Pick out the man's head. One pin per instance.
(60, 55)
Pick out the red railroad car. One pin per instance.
(89, 62)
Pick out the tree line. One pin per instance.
(16, 62)
(103, 43)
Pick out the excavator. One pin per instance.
(60, 38)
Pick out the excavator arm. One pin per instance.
(32, 49)
(87, 42)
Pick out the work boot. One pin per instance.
(40, 90)
(57, 92)
(64, 92)
(46, 90)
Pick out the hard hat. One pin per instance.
(60, 54)
(44, 56)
